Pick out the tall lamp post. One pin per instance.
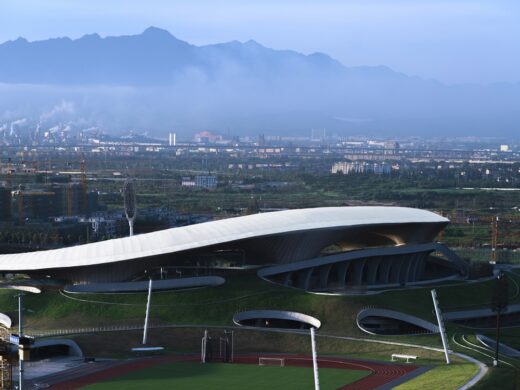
(24, 342)
(130, 204)
(21, 345)
(499, 305)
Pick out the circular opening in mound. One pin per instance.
(142, 286)
(389, 322)
(279, 319)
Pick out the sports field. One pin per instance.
(187, 375)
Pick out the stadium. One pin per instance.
(352, 273)
(320, 249)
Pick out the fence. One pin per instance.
(507, 256)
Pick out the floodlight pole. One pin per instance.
(20, 334)
(203, 347)
(232, 346)
(440, 322)
(131, 226)
(145, 332)
(130, 204)
(315, 361)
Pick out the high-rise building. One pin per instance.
(34, 204)
(206, 181)
(5, 204)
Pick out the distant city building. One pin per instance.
(54, 200)
(381, 168)
(35, 204)
(369, 157)
(344, 167)
(347, 167)
(201, 181)
(155, 218)
(391, 147)
(5, 204)
(70, 199)
(103, 227)
(504, 148)
(207, 137)
(187, 182)
(206, 181)
(92, 202)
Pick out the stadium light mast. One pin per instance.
(23, 341)
(130, 204)
(20, 337)
(147, 316)
(440, 322)
(315, 361)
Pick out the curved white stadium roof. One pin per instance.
(214, 232)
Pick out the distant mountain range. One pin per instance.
(155, 81)
(156, 57)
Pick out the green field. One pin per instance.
(228, 376)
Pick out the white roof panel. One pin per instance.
(214, 232)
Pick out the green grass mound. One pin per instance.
(194, 376)
(217, 305)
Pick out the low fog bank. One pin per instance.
(157, 83)
(285, 107)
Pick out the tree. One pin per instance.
(499, 305)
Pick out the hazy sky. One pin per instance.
(450, 40)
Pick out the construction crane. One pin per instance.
(83, 179)
(497, 225)
(19, 202)
(493, 221)
(69, 200)
(440, 236)
(494, 238)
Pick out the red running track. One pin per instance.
(382, 373)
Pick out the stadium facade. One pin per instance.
(320, 249)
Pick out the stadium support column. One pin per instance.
(145, 332)
(442, 330)
(315, 361)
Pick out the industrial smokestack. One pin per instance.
(173, 139)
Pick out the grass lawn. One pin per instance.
(499, 378)
(442, 377)
(228, 376)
